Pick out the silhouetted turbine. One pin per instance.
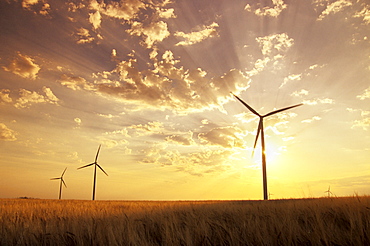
(329, 192)
(95, 163)
(61, 181)
(260, 130)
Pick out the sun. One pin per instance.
(272, 152)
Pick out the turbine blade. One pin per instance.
(97, 154)
(54, 178)
(86, 165)
(283, 109)
(258, 134)
(101, 169)
(249, 107)
(64, 183)
(64, 171)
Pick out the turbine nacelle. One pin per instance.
(61, 178)
(260, 123)
(95, 162)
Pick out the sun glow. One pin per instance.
(271, 151)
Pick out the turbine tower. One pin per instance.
(61, 181)
(260, 131)
(95, 163)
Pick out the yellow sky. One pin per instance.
(150, 81)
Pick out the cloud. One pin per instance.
(78, 121)
(27, 98)
(126, 10)
(154, 32)
(291, 77)
(259, 66)
(50, 95)
(28, 3)
(278, 7)
(123, 132)
(197, 36)
(364, 14)
(363, 123)
(37, 6)
(7, 134)
(318, 101)
(273, 44)
(166, 13)
(184, 139)
(365, 95)
(95, 19)
(333, 8)
(300, 93)
(23, 66)
(315, 118)
(154, 127)
(75, 83)
(4, 96)
(227, 137)
(84, 36)
(169, 86)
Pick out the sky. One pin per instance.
(150, 81)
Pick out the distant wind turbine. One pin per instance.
(260, 130)
(61, 181)
(329, 192)
(95, 163)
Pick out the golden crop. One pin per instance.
(326, 221)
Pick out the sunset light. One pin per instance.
(149, 81)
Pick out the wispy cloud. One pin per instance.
(334, 7)
(291, 77)
(300, 93)
(315, 118)
(319, 101)
(197, 36)
(75, 82)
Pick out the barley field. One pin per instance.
(324, 221)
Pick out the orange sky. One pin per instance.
(150, 81)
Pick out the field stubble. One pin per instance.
(334, 221)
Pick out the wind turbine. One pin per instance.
(329, 192)
(61, 181)
(260, 130)
(95, 163)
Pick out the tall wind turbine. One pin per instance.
(260, 131)
(95, 163)
(61, 181)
